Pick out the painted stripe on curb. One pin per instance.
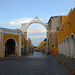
(64, 64)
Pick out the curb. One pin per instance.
(64, 64)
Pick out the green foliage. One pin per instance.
(45, 39)
(52, 45)
(35, 47)
(18, 30)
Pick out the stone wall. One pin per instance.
(54, 25)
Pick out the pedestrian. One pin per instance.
(32, 51)
(48, 52)
(23, 51)
(43, 51)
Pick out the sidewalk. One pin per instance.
(68, 62)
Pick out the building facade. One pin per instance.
(60, 35)
(66, 36)
(10, 42)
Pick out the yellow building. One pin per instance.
(54, 49)
(41, 46)
(26, 45)
(10, 42)
(29, 47)
(13, 43)
(23, 42)
(66, 35)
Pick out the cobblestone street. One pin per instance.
(33, 64)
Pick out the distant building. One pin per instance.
(42, 46)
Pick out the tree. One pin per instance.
(35, 47)
(45, 39)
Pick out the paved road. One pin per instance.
(36, 64)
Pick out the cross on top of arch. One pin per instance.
(36, 18)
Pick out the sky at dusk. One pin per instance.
(15, 12)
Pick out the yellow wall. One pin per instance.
(22, 38)
(68, 26)
(54, 49)
(24, 41)
(41, 45)
(25, 44)
(64, 19)
(32, 47)
(6, 36)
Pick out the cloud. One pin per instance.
(36, 40)
(20, 21)
(38, 30)
(37, 37)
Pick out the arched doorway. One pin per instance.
(61, 47)
(9, 47)
(67, 47)
(64, 47)
(72, 45)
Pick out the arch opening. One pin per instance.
(36, 32)
(67, 47)
(72, 44)
(61, 47)
(64, 47)
(9, 47)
